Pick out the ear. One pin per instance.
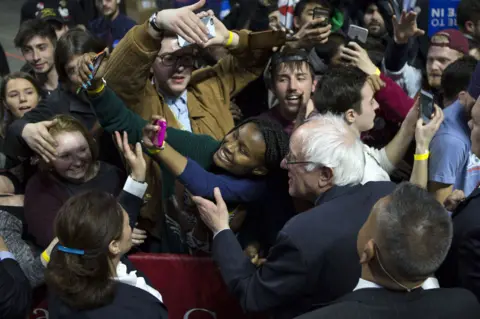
(350, 116)
(469, 27)
(114, 248)
(326, 177)
(314, 84)
(368, 252)
(296, 23)
(260, 171)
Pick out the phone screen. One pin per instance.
(426, 106)
(98, 60)
(358, 34)
(321, 13)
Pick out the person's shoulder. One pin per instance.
(127, 20)
(459, 302)
(338, 310)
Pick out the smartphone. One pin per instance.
(426, 106)
(318, 13)
(357, 34)
(97, 61)
(209, 23)
(159, 137)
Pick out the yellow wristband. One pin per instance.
(153, 151)
(377, 72)
(230, 39)
(97, 91)
(421, 157)
(45, 256)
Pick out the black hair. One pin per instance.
(301, 5)
(328, 50)
(33, 28)
(74, 42)
(456, 77)
(276, 140)
(468, 10)
(340, 90)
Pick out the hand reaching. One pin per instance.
(184, 22)
(85, 67)
(150, 130)
(424, 133)
(406, 27)
(357, 56)
(310, 35)
(215, 216)
(135, 161)
(38, 138)
(138, 236)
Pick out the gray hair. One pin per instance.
(330, 142)
(414, 233)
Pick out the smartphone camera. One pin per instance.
(426, 106)
(321, 13)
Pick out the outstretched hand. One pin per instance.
(215, 216)
(135, 160)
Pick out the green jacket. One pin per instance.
(113, 115)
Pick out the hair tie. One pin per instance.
(71, 250)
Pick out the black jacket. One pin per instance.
(314, 260)
(60, 101)
(15, 291)
(377, 303)
(129, 302)
(462, 265)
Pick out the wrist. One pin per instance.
(421, 148)
(400, 40)
(138, 177)
(231, 40)
(155, 29)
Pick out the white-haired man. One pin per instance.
(314, 259)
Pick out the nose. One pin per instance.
(375, 105)
(23, 97)
(36, 56)
(293, 85)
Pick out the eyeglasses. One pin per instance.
(289, 161)
(171, 59)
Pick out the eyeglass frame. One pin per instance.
(289, 162)
(177, 59)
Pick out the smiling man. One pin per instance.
(37, 40)
(292, 81)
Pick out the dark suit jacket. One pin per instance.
(377, 303)
(462, 265)
(15, 291)
(314, 260)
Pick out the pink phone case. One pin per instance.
(159, 138)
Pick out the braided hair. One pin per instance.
(276, 140)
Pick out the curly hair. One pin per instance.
(276, 140)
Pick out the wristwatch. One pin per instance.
(153, 23)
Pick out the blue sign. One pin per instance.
(442, 14)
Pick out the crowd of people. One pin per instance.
(327, 176)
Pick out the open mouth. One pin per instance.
(293, 98)
(178, 79)
(222, 154)
(24, 108)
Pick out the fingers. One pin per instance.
(126, 146)
(138, 150)
(200, 201)
(49, 124)
(118, 140)
(218, 198)
(196, 6)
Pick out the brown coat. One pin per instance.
(208, 93)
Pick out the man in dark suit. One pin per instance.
(462, 266)
(314, 260)
(402, 243)
(15, 289)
